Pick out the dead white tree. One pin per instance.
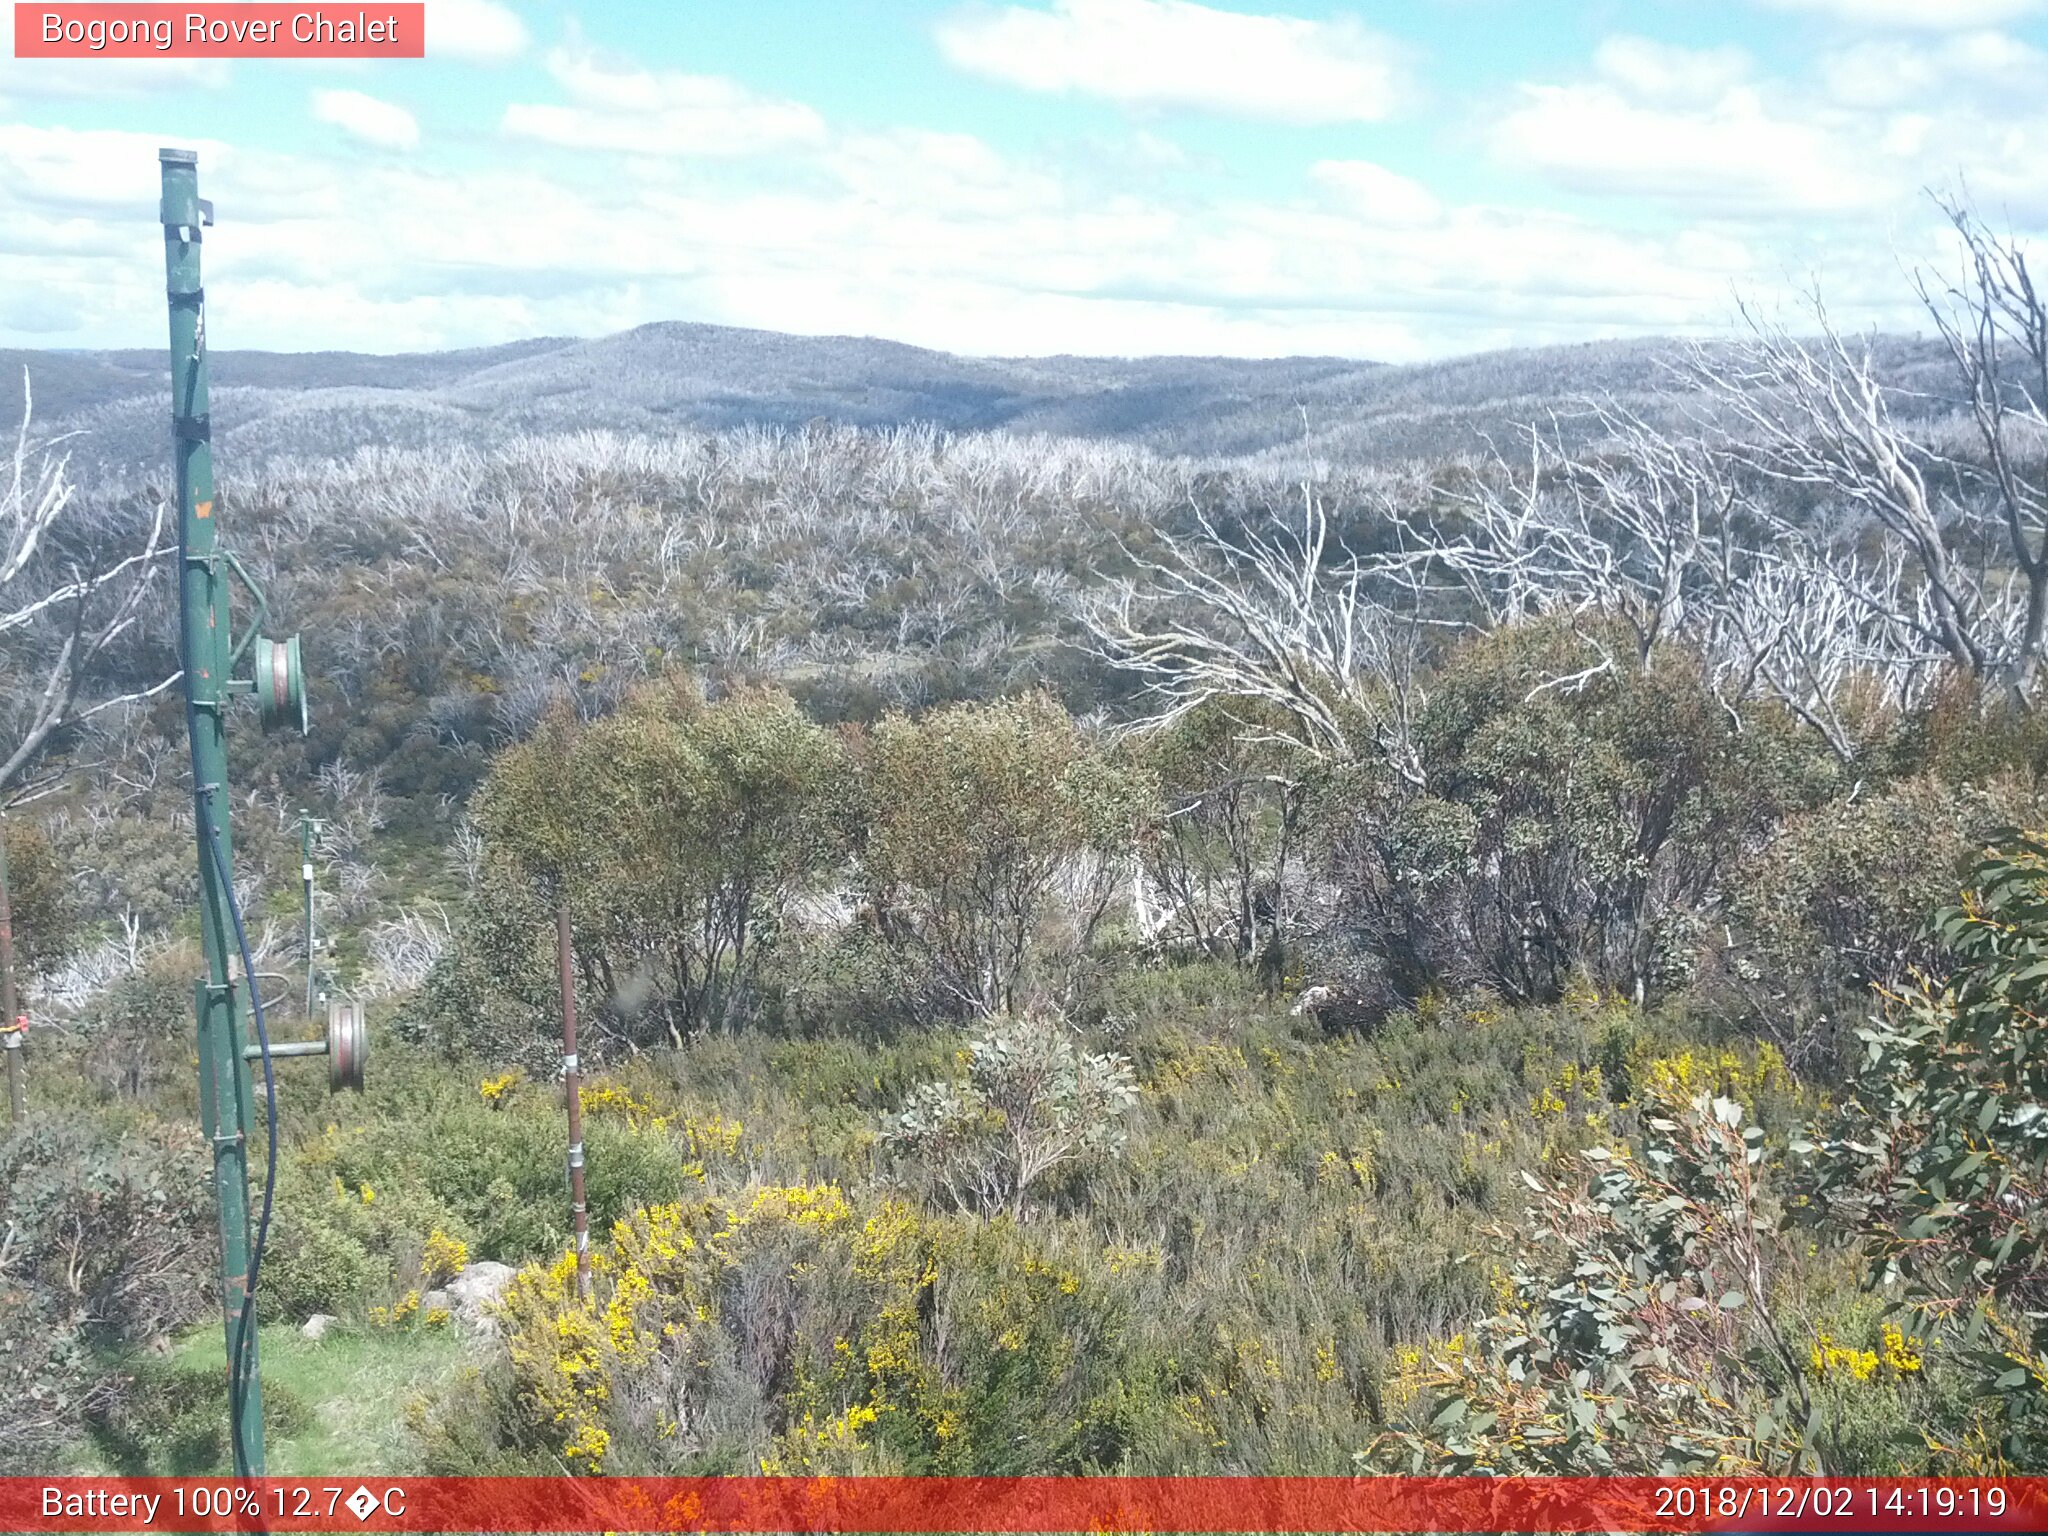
(1815, 414)
(405, 949)
(1961, 578)
(1268, 618)
(1637, 528)
(1996, 327)
(1791, 631)
(1653, 532)
(63, 605)
(1659, 531)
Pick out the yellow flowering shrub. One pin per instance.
(444, 1257)
(655, 1304)
(1723, 1073)
(1326, 1362)
(810, 1443)
(1901, 1350)
(398, 1314)
(1017, 1361)
(1898, 1355)
(713, 1136)
(1424, 1366)
(1125, 1260)
(881, 1371)
(817, 1205)
(1829, 1358)
(1196, 1059)
(1572, 1084)
(605, 1098)
(587, 1446)
(1355, 1168)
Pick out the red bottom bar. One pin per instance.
(1161, 1505)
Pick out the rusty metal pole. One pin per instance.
(10, 1024)
(572, 1079)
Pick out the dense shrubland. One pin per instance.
(104, 1245)
(1093, 961)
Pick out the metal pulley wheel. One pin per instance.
(348, 1046)
(280, 685)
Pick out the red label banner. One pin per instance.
(216, 31)
(1160, 1505)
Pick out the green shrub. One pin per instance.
(678, 833)
(110, 1244)
(1559, 831)
(348, 1230)
(314, 1263)
(1222, 851)
(1636, 1336)
(828, 981)
(1935, 1163)
(1837, 901)
(466, 1429)
(493, 995)
(46, 917)
(481, 1161)
(975, 817)
(134, 1041)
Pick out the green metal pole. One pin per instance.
(225, 1093)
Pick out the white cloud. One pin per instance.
(944, 240)
(1888, 73)
(908, 168)
(1248, 280)
(367, 119)
(934, 239)
(1655, 71)
(619, 106)
(1921, 15)
(1736, 153)
(1881, 121)
(101, 170)
(43, 78)
(1173, 53)
(1375, 194)
(1154, 151)
(478, 30)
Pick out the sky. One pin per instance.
(1390, 179)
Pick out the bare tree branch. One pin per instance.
(61, 613)
(1268, 618)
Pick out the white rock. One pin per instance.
(1311, 1000)
(317, 1326)
(472, 1293)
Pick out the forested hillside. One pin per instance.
(1128, 917)
(661, 378)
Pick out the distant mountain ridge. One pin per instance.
(658, 377)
